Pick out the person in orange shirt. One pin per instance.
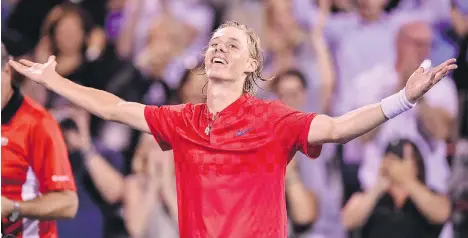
(37, 183)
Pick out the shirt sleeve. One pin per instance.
(49, 158)
(163, 122)
(292, 126)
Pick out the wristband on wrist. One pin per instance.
(396, 104)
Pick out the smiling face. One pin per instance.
(228, 55)
(233, 54)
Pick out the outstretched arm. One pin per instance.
(324, 129)
(100, 103)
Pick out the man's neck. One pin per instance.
(221, 94)
(7, 97)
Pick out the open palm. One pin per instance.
(36, 71)
(424, 78)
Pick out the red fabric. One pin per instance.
(231, 183)
(34, 161)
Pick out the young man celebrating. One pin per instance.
(231, 153)
(37, 182)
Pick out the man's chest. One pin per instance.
(228, 133)
(243, 146)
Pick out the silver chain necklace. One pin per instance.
(210, 123)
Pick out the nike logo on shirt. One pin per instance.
(239, 133)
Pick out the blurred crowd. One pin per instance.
(325, 56)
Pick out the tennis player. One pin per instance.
(231, 152)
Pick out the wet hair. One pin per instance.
(71, 9)
(291, 72)
(255, 53)
(397, 147)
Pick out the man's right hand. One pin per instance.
(37, 72)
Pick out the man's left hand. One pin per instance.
(424, 78)
(7, 207)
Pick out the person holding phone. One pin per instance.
(400, 204)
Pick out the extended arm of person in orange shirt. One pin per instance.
(50, 206)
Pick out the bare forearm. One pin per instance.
(436, 208)
(97, 102)
(170, 196)
(107, 180)
(125, 39)
(358, 209)
(326, 70)
(51, 206)
(303, 204)
(358, 122)
(137, 212)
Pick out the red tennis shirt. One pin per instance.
(231, 183)
(34, 162)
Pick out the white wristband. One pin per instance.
(396, 104)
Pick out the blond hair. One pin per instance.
(255, 53)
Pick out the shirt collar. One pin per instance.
(9, 111)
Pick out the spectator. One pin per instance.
(445, 42)
(37, 183)
(92, 44)
(460, 21)
(459, 191)
(291, 88)
(372, 31)
(301, 203)
(98, 216)
(147, 213)
(67, 30)
(134, 198)
(192, 21)
(320, 180)
(191, 89)
(428, 126)
(400, 203)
